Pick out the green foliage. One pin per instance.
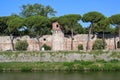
(86, 62)
(80, 47)
(54, 19)
(98, 45)
(37, 9)
(115, 19)
(94, 68)
(68, 65)
(108, 67)
(78, 29)
(46, 47)
(69, 22)
(3, 25)
(59, 66)
(102, 25)
(1, 68)
(14, 23)
(26, 69)
(92, 17)
(114, 61)
(21, 45)
(37, 25)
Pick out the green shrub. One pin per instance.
(101, 61)
(86, 62)
(26, 69)
(80, 47)
(98, 45)
(1, 68)
(114, 61)
(69, 66)
(108, 67)
(21, 45)
(80, 67)
(46, 47)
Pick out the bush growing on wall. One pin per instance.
(46, 47)
(98, 45)
(80, 47)
(21, 45)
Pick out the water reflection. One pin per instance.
(60, 76)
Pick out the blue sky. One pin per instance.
(106, 7)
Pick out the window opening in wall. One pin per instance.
(57, 25)
(44, 39)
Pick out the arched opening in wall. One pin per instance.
(118, 44)
(46, 47)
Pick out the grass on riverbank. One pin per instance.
(97, 52)
(100, 65)
(94, 52)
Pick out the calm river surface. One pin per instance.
(60, 76)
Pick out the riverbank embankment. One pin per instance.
(60, 61)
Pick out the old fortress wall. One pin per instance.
(58, 41)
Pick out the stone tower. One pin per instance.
(57, 37)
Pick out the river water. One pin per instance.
(60, 76)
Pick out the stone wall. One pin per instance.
(54, 57)
(111, 41)
(5, 43)
(82, 39)
(78, 39)
(58, 41)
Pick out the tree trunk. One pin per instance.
(37, 37)
(119, 34)
(71, 39)
(115, 42)
(88, 41)
(11, 38)
(104, 40)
